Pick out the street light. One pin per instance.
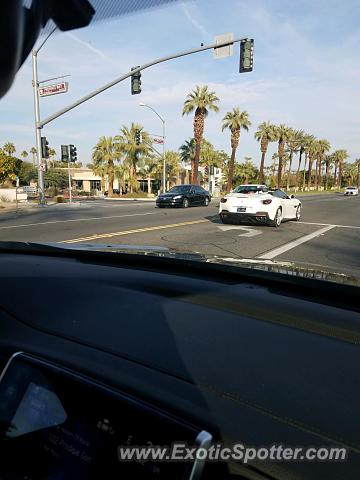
(163, 136)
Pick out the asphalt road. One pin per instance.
(327, 235)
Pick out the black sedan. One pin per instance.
(184, 196)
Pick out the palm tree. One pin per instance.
(234, 121)
(328, 161)
(264, 135)
(105, 153)
(294, 144)
(200, 100)
(312, 153)
(33, 152)
(9, 148)
(357, 163)
(323, 146)
(282, 134)
(24, 154)
(132, 151)
(187, 153)
(340, 156)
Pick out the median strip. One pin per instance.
(288, 246)
(129, 232)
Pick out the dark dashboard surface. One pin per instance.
(244, 359)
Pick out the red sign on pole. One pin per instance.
(53, 89)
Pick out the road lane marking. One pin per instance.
(328, 224)
(295, 243)
(129, 232)
(249, 232)
(78, 220)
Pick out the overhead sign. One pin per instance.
(228, 50)
(53, 89)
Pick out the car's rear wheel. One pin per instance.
(206, 201)
(185, 203)
(277, 219)
(298, 213)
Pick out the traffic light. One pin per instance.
(73, 153)
(64, 153)
(44, 148)
(206, 171)
(246, 55)
(137, 137)
(212, 169)
(135, 82)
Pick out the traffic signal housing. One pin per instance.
(246, 55)
(73, 153)
(64, 153)
(136, 82)
(137, 137)
(44, 148)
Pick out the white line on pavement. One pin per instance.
(295, 243)
(329, 224)
(78, 220)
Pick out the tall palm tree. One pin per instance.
(357, 163)
(294, 145)
(282, 134)
(200, 101)
(302, 144)
(234, 121)
(24, 154)
(132, 151)
(33, 152)
(105, 153)
(9, 148)
(264, 134)
(312, 154)
(323, 146)
(328, 161)
(340, 156)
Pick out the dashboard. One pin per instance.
(132, 350)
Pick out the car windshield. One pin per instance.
(249, 189)
(180, 189)
(102, 121)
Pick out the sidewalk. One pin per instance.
(132, 199)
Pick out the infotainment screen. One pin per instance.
(56, 425)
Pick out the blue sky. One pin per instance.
(306, 74)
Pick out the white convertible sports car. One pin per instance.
(351, 191)
(258, 204)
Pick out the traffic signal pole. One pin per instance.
(117, 80)
(35, 84)
(38, 126)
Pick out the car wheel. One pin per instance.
(206, 201)
(298, 213)
(277, 220)
(185, 203)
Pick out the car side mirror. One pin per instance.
(292, 196)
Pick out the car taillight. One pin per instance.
(267, 201)
(223, 200)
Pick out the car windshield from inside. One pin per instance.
(180, 189)
(250, 189)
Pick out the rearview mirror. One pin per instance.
(292, 196)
